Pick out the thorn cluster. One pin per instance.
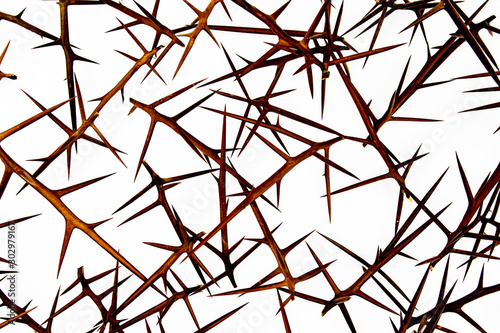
(197, 263)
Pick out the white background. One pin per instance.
(362, 219)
